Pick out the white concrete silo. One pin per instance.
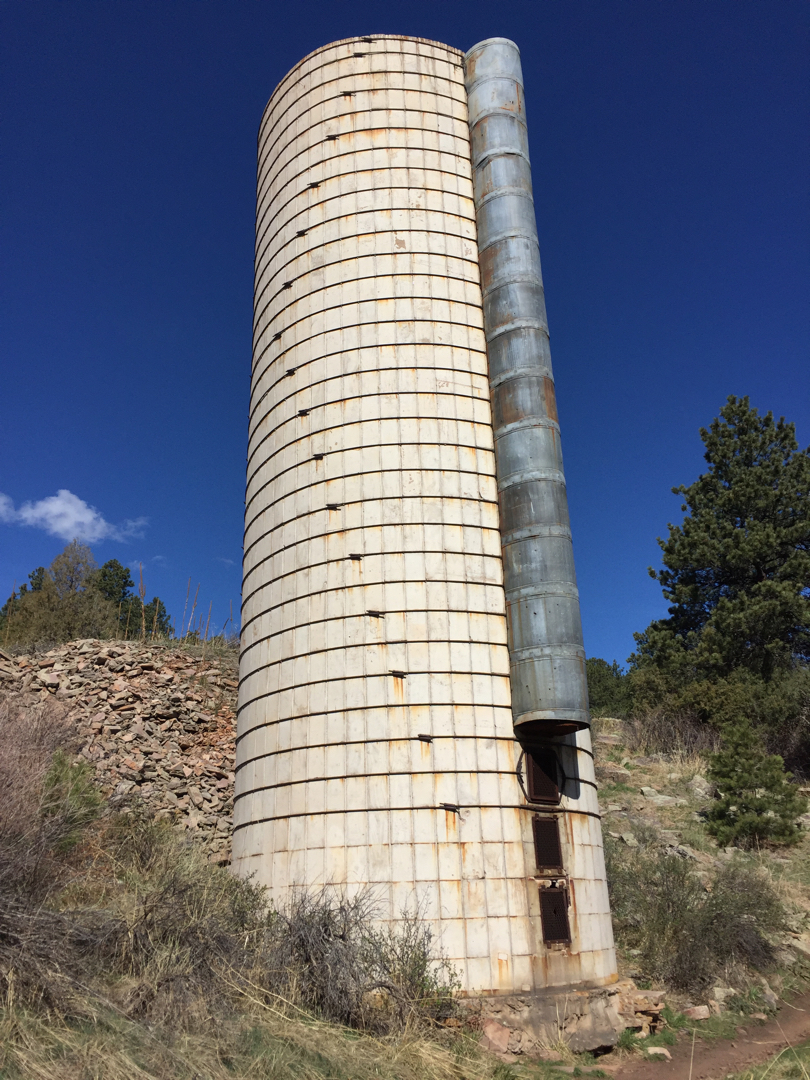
(375, 737)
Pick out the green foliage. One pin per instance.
(114, 581)
(757, 802)
(74, 598)
(736, 571)
(70, 794)
(137, 618)
(608, 688)
(736, 645)
(61, 605)
(685, 935)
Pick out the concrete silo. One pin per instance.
(413, 712)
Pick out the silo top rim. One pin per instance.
(360, 38)
(491, 41)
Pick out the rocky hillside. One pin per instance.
(157, 722)
(653, 808)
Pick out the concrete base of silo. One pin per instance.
(532, 1024)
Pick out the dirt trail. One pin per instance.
(715, 1060)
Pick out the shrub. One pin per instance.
(329, 953)
(675, 733)
(686, 935)
(757, 801)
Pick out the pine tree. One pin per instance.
(757, 802)
(608, 687)
(737, 570)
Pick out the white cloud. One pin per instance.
(69, 517)
(228, 562)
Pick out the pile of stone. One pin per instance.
(156, 722)
(588, 1018)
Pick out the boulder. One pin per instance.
(700, 787)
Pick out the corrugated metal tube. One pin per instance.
(549, 688)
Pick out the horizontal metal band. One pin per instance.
(516, 278)
(322, 312)
(390, 674)
(497, 110)
(263, 153)
(523, 322)
(526, 424)
(371, 776)
(512, 374)
(357, 585)
(273, 101)
(354, 645)
(505, 151)
(432, 275)
(366, 554)
(511, 234)
(380, 742)
(288, 350)
(268, 178)
(459, 350)
(398, 707)
(554, 476)
(531, 809)
(262, 271)
(348, 374)
(328, 532)
(547, 651)
(541, 589)
(342, 401)
(322, 480)
(382, 498)
(265, 257)
(501, 193)
(534, 532)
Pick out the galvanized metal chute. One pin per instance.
(547, 658)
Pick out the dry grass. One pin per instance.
(124, 953)
(271, 1041)
(680, 736)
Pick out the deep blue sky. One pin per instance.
(670, 160)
